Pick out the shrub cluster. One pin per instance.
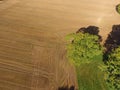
(112, 69)
(118, 8)
(85, 47)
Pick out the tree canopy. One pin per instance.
(113, 69)
(84, 48)
(118, 8)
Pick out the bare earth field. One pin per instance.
(32, 46)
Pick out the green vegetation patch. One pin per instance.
(112, 70)
(118, 8)
(86, 53)
(90, 77)
(84, 48)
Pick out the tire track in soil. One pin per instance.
(56, 72)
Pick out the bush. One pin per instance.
(118, 8)
(113, 70)
(84, 48)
